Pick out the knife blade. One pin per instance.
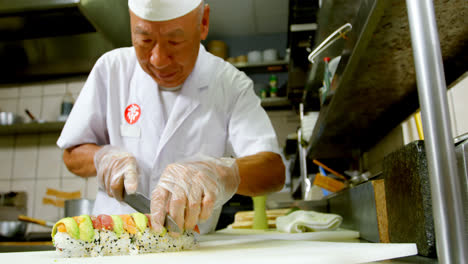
(141, 203)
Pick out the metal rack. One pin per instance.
(375, 83)
(376, 88)
(31, 128)
(452, 244)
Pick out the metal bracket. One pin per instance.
(337, 34)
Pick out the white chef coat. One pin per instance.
(216, 113)
(168, 99)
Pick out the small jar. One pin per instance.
(260, 220)
(66, 107)
(67, 104)
(273, 86)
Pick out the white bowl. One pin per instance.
(270, 55)
(254, 56)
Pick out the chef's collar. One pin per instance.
(170, 89)
(201, 73)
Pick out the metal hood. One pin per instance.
(41, 39)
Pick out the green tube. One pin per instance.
(260, 218)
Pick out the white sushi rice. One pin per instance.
(107, 243)
(111, 244)
(150, 242)
(68, 247)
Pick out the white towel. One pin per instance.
(307, 221)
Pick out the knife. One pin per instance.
(141, 203)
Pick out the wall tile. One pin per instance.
(29, 187)
(33, 104)
(5, 185)
(388, 144)
(75, 96)
(453, 121)
(75, 87)
(7, 144)
(50, 157)
(66, 174)
(73, 185)
(12, 92)
(31, 90)
(51, 107)
(284, 123)
(92, 188)
(8, 105)
(54, 88)
(460, 95)
(45, 211)
(25, 157)
(409, 130)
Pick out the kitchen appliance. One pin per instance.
(11, 205)
(27, 219)
(74, 207)
(461, 152)
(10, 118)
(40, 39)
(11, 229)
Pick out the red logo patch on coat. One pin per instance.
(132, 113)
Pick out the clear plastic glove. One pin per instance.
(189, 191)
(116, 169)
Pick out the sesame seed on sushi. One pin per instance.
(108, 235)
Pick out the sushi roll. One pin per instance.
(110, 235)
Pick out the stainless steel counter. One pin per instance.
(25, 246)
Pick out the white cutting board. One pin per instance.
(257, 248)
(236, 236)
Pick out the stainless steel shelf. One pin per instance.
(31, 128)
(263, 67)
(303, 27)
(376, 87)
(375, 82)
(275, 102)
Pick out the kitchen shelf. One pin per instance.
(375, 82)
(263, 67)
(31, 128)
(303, 27)
(275, 103)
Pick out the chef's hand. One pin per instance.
(116, 169)
(190, 190)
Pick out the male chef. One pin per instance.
(165, 117)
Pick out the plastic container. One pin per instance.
(326, 81)
(10, 118)
(260, 88)
(260, 220)
(218, 48)
(66, 107)
(254, 56)
(273, 86)
(270, 55)
(76, 207)
(263, 93)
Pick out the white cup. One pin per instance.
(270, 55)
(254, 56)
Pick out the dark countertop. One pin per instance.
(29, 237)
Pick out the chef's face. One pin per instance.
(168, 50)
